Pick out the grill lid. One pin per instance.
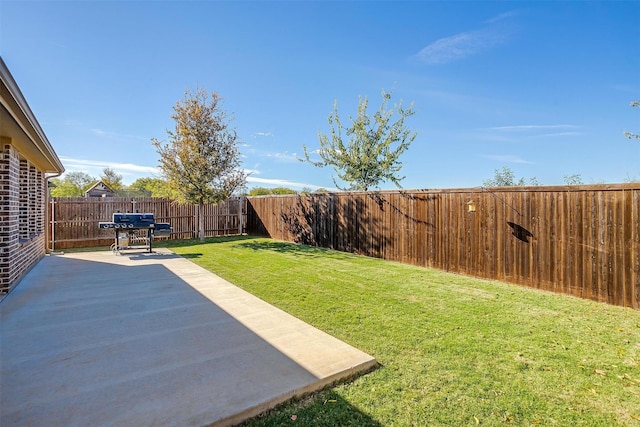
(135, 218)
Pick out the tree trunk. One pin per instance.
(201, 221)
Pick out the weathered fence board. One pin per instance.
(578, 240)
(73, 221)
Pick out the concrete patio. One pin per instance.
(141, 339)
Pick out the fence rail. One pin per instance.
(582, 241)
(73, 221)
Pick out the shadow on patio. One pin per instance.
(152, 339)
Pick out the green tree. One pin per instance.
(201, 161)
(631, 135)
(259, 191)
(506, 178)
(372, 154)
(72, 184)
(283, 190)
(157, 187)
(112, 178)
(320, 190)
(263, 191)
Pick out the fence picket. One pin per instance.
(75, 219)
(579, 240)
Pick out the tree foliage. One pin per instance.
(371, 154)
(112, 178)
(157, 187)
(201, 161)
(320, 190)
(631, 135)
(263, 191)
(575, 179)
(72, 184)
(506, 178)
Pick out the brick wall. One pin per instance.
(22, 215)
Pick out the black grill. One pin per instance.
(129, 223)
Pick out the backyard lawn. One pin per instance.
(453, 350)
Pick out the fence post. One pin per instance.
(240, 202)
(52, 223)
(196, 223)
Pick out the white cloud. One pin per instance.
(458, 46)
(507, 158)
(92, 164)
(99, 132)
(282, 157)
(534, 131)
(467, 43)
(129, 171)
(282, 183)
(262, 134)
(278, 156)
(502, 17)
(276, 182)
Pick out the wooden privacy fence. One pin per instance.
(579, 240)
(73, 221)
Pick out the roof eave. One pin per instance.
(16, 105)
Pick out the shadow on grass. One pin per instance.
(256, 243)
(293, 249)
(191, 256)
(208, 241)
(326, 408)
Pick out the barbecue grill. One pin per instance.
(126, 226)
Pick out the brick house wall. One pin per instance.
(22, 215)
(26, 157)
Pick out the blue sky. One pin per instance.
(540, 87)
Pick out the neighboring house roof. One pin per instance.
(99, 188)
(18, 122)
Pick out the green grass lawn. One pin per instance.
(453, 350)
